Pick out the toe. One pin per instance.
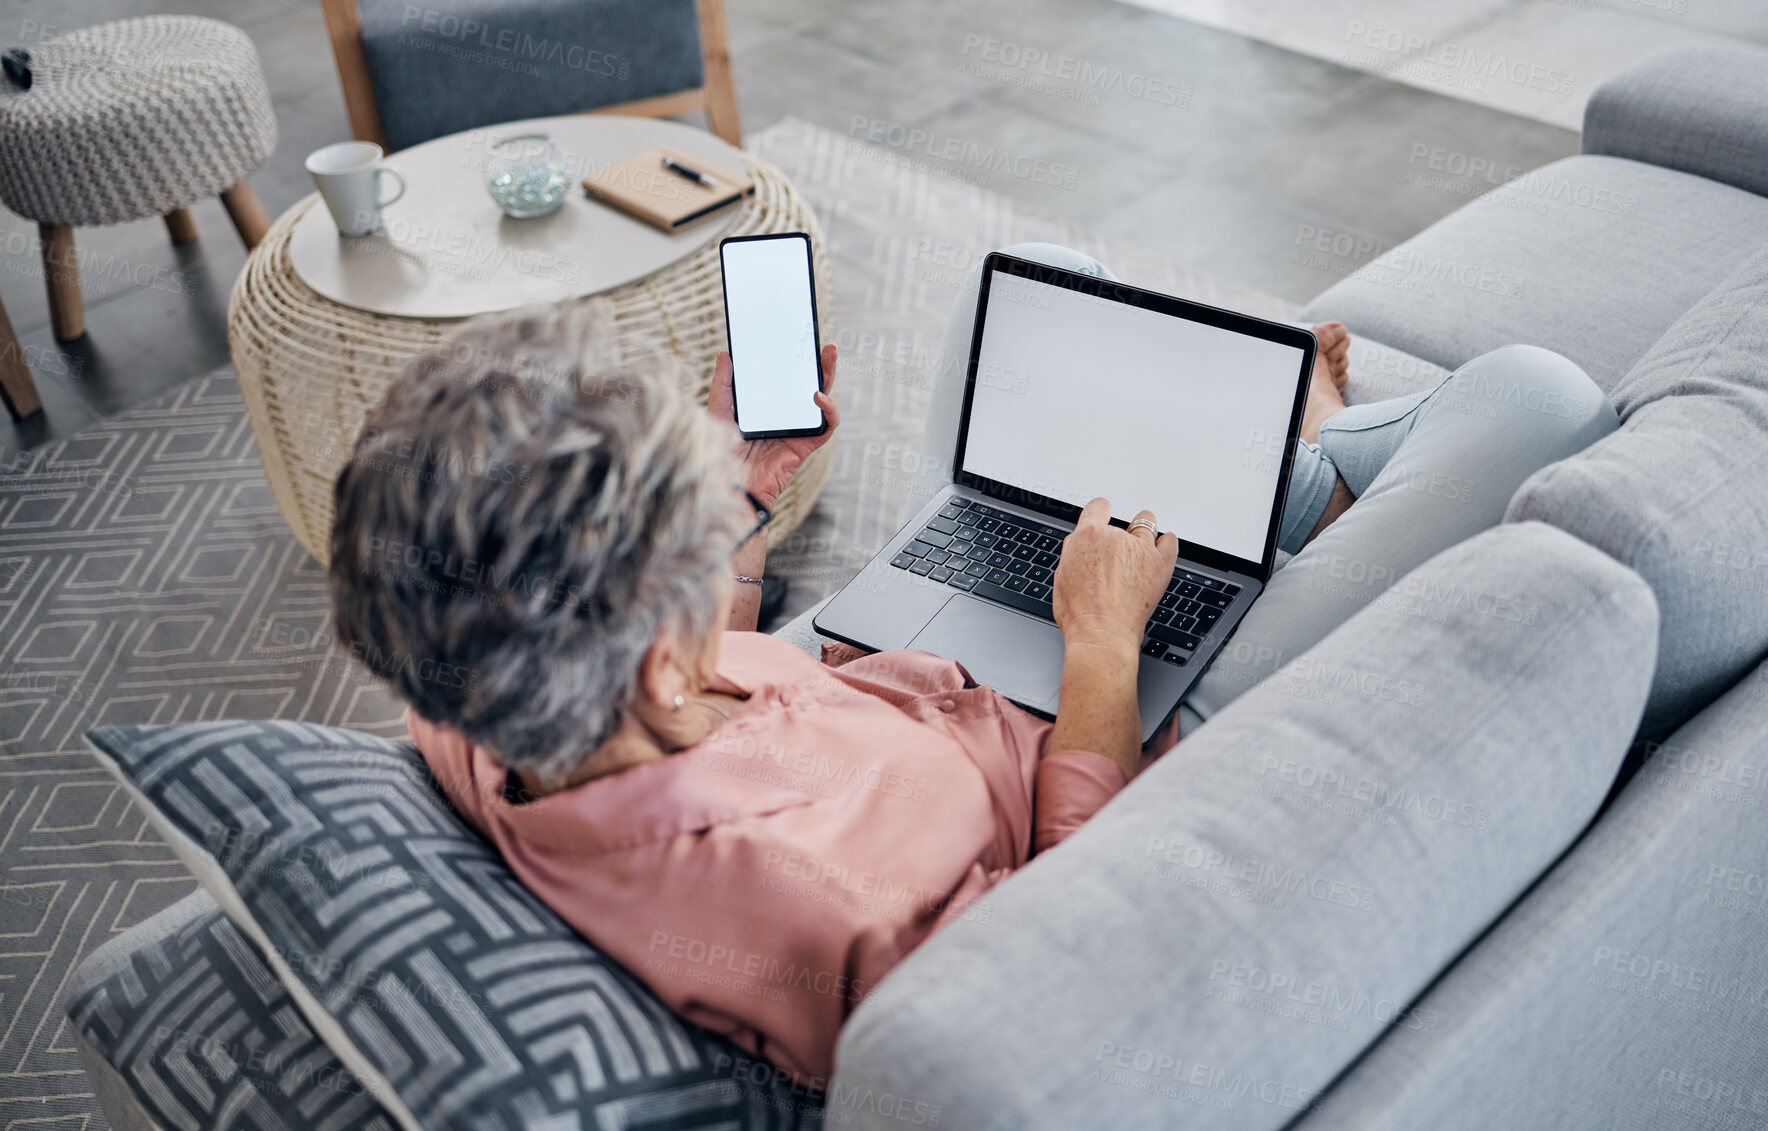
(1335, 346)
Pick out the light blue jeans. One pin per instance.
(1428, 470)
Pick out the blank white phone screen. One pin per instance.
(772, 334)
(1078, 397)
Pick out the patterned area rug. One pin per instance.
(147, 577)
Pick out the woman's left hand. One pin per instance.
(769, 464)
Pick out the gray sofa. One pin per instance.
(1323, 910)
(1529, 896)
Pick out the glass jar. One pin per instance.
(526, 175)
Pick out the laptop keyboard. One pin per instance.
(1011, 559)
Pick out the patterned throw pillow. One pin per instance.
(206, 1036)
(456, 997)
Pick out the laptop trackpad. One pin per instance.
(1017, 655)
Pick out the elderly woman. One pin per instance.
(758, 836)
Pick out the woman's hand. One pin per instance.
(1108, 581)
(769, 464)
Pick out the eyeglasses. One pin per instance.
(763, 516)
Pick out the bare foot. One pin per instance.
(1331, 372)
(1334, 355)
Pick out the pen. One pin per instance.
(688, 171)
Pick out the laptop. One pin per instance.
(1079, 387)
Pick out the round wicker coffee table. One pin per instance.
(310, 369)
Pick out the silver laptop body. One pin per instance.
(1078, 387)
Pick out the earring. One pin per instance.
(679, 702)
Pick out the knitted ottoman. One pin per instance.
(130, 119)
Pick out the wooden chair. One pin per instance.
(717, 97)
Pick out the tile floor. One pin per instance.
(1209, 145)
(1452, 46)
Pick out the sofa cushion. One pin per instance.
(444, 67)
(451, 992)
(1693, 107)
(1680, 492)
(195, 1023)
(1593, 257)
(1231, 931)
(1625, 992)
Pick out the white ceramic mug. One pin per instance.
(348, 175)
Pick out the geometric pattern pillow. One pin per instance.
(457, 998)
(206, 1037)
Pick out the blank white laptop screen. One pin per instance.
(1078, 397)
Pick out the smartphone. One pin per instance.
(770, 325)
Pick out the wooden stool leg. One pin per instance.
(16, 386)
(247, 214)
(181, 227)
(61, 271)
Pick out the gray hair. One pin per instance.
(521, 518)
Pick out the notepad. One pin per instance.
(644, 187)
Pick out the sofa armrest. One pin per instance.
(1231, 931)
(1700, 110)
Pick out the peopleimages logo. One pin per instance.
(977, 157)
(1325, 997)
(1456, 64)
(465, 245)
(1717, 1097)
(512, 42)
(1374, 792)
(1325, 673)
(1164, 1073)
(1653, 975)
(1277, 880)
(753, 971)
(47, 475)
(268, 1064)
(24, 256)
(1431, 267)
(1018, 65)
(839, 1101)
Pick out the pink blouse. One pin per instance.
(763, 881)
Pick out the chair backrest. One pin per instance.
(414, 72)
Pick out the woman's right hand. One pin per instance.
(770, 464)
(1109, 581)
